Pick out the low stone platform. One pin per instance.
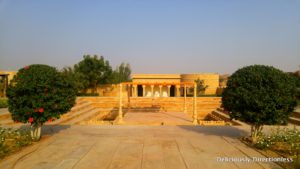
(157, 118)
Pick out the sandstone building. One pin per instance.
(171, 85)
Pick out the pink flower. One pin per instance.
(41, 110)
(30, 120)
(26, 67)
(50, 120)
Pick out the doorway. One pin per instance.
(140, 91)
(172, 91)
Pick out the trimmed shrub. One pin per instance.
(260, 95)
(39, 93)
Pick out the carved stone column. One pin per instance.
(177, 90)
(169, 87)
(185, 109)
(144, 90)
(160, 90)
(134, 93)
(195, 114)
(152, 90)
(120, 115)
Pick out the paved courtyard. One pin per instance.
(158, 118)
(136, 147)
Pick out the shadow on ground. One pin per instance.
(53, 129)
(226, 131)
(49, 129)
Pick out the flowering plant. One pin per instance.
(39, 93)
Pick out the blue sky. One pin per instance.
(154, 36)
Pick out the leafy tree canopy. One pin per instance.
(122, 73)
(76, 78)
(93, 71)
(39, 93)
(201, 87)
(260, 95)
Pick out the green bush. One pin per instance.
(284, 141)
(260, 95)
(288, 137)
(3, 103)
(39, 93)
(12, 140)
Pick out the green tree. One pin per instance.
(2, 81)
(122, 73)
(76, 78)
(201, 87)
(259, 95)
(296, 76)
(37, 94)
(93, 71)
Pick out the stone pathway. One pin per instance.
(158, 118)
(137, 147)
(4, 110)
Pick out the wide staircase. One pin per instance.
(5, 119)
(104, 110)
(205, 105)
(220, 114)
(294, 119)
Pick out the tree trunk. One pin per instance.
(36, 132)
(255, 132)
(94, 89)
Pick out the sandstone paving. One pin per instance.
(136, 147)
(158, 118)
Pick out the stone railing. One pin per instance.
(212, 123)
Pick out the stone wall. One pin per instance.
(11, 75)
(210, 79)
(205, 105)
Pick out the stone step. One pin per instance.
(6, 122)
(297, 109)
(170, 101)
(72, 115)
(146, 110)
(149, 99)
(83, 117)
(5, 116)
(295, 121)
(221, 115)
(215, 118)
(226, 117)
(96, 118)
(174, 105)
(159, 123)
(99, 98)
(80, 102)
(80, 107)
(296, 114)
(105, 105)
